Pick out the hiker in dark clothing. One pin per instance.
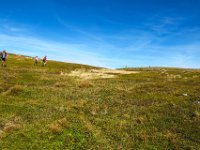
(44, 61)
(3, 58)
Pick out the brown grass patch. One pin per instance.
(58, 125)
(85, 84)
(1, 133)
(97, 133)
(55, 128)
(10, 126)
(1, 89)
(140, 120)
(59, 84)
(34, 102)
(15, 90)
(76, 104)
(127, 116)
(143, 136)
(94, 110)
(170, 136)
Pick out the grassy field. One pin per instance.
(43, 108)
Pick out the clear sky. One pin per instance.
(107, 33)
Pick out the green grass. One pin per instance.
(42, 109)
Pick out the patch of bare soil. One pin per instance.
(10, 125)
(98, 73)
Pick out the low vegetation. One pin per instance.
(45, 108)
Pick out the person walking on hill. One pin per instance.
(3, 58)
(44, 61)
(36, 59)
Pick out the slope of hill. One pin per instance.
(49, 108)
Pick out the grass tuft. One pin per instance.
(15, 90)
(58, 125)
(60, 85)
(85, 84)
(10, 126)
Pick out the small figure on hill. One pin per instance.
(3, 58)
(44, 61)
(36, 59)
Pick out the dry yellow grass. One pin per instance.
(170, 136)
(85, 84)
(55, 128)
(34, 102)
(140, 120)
(11, 126)
(75, 104)
(14, 90)
(97, 133)
(1, 133)
(98, 73)
(58, 125)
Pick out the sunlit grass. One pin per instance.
(157, 108)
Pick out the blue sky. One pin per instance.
(107, 33)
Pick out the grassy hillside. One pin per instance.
(44, 108)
